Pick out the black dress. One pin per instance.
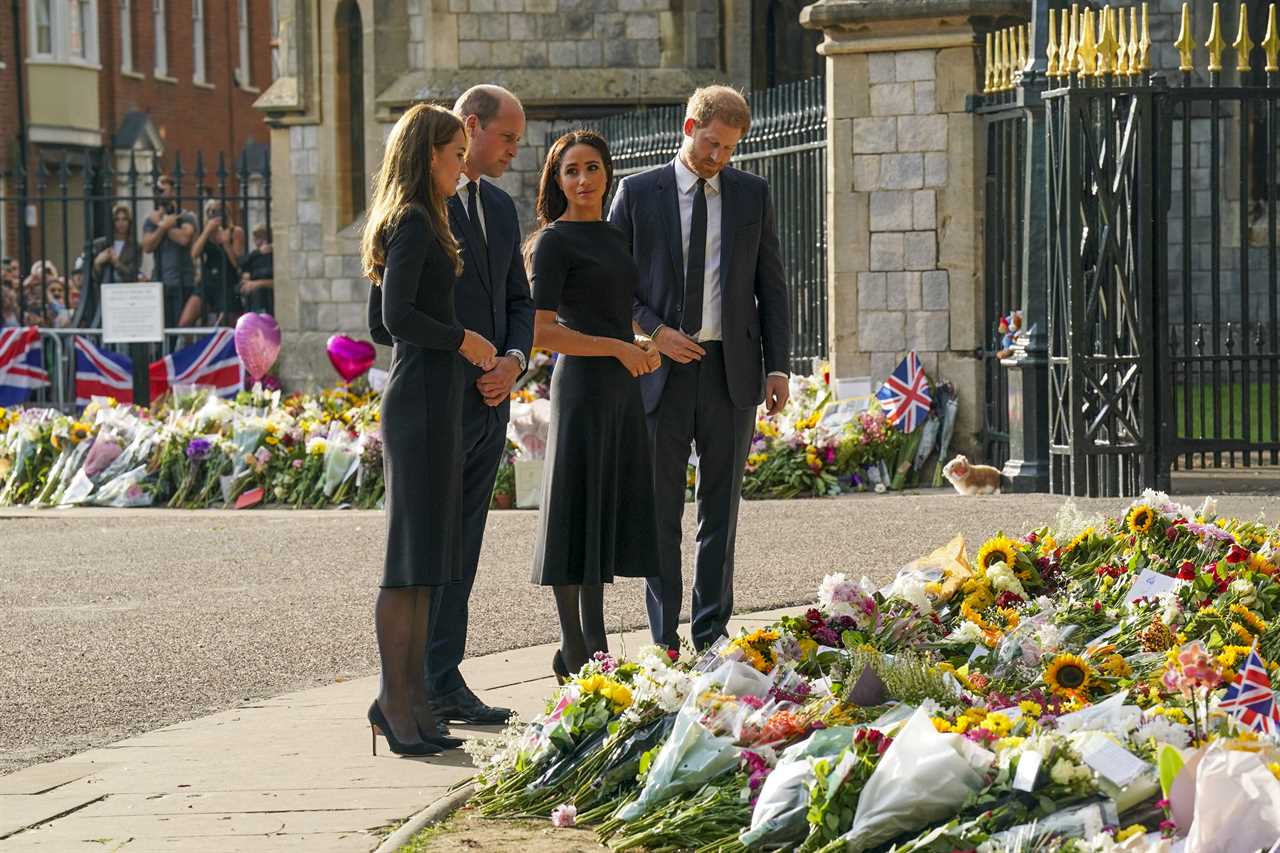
(421, 408)
(597, 517)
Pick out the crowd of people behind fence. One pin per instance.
(210, 275)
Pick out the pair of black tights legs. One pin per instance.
(581, 612)
(402, 617)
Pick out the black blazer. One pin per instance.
(756, 319)
(492, 296)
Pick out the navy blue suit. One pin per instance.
(712, 403)
(491, 299)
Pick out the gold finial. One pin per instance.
(1243, 44)
(1133, 40)
(1122, 44)
(1216, 44)
(1051, 51)
(1086, 51)
(990, 69)
(997, 81)
(1106, 43)
(1144, 46)
(1271, 43)
(1070, 43)
(1185, 43)
(1022, 50)
(1006, 59)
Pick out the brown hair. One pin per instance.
(404, 182)
(719, 102)
(552, 202)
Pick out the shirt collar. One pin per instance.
(686, 179)
(463, 180)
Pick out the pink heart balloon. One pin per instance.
(257, 343)
(350, 357)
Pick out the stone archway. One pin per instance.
(349, 96)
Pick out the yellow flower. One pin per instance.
(1230, 656)
(1048, 545)
(1131, 831)
(272, 440)
(1030, 709)
(998, 724)
(80, 431)
(1080, 539)
(1140, 519)
(1117, 666)
(1243, 633)
(1253, 620)
(1068, 675)
(942, 724)
(1000, 549)
(808, 647)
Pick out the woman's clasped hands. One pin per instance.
(640, 357)
(478, 350)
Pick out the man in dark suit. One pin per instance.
(713, 297)
(493, 299)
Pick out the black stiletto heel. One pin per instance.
(560, 668)
(381, 727)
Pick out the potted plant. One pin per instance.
(504, 486)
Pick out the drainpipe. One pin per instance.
(25, 238)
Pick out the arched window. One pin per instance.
(349, 47)
(782, 50)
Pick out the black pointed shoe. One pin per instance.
(463, 706)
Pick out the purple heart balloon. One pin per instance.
(350, 357)
(257, 343)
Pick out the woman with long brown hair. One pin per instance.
(412, 259)
(597, 514)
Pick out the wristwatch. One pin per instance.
(518, 355)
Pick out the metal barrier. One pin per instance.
(58, 349)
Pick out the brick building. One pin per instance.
(107, 79)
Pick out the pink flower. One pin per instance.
(564, 814)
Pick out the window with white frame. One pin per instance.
(242, 74)
(161, 29)
(126, 35)
(197, 36)
(65, 31)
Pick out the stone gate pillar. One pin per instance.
(905, 187)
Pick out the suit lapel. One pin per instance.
(669, 205)
(497, 239)
(727, 223)
(470, 239)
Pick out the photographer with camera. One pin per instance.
(218, 247)
(167, 234)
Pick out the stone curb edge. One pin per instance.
(434, 813)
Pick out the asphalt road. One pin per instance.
(114, 622)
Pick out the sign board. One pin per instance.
(133, 313)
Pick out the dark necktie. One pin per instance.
(691, 320)
(473, 213)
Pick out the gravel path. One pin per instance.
(114, 622)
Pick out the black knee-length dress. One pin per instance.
(597, 515)
(421, 407)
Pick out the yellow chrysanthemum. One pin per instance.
(1141, 518)
(1030, 709)
(1000, 549)
(998, 724)
(1068, 675)
(1116, 666)
(942, 724)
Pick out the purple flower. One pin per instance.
(826, 637)
(606, 661)
(198, 448)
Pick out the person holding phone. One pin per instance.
(167, 234)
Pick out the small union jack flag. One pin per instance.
(904, 396)
(1250, 698)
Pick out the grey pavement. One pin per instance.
(115, 623)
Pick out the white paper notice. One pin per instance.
(1115, 762)
(1149, 585)
(1028, 769)
(132, 313)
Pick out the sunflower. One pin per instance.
(1068, 675)
(1081, 538)
(1251, 619)
(1115, 665)
(1001, 549)
(80, 431)
(1140, 519)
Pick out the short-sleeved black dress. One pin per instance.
(597, 516)
(421, 408)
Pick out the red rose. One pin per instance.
(1236, 554)
(1187, 571)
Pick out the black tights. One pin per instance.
(402, 617)
(582, 633)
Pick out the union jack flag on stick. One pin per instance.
(1250, 698)
(904, 396)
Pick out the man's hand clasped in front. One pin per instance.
(677, 346)
(495, 384)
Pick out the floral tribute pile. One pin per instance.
(196, 450)
(1075, 688)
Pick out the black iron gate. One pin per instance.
(786, 145)
(1163, 283)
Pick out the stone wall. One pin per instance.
(904, 209)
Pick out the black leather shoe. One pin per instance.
(463, 706)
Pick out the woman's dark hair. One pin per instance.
(552, 203)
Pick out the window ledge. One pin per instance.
(63, 63)
(136, 75)
(252, 90)
(164, 78)
(200, 84)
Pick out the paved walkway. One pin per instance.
(291, 773)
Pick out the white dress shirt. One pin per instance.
(687, 184)
(463, 180)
